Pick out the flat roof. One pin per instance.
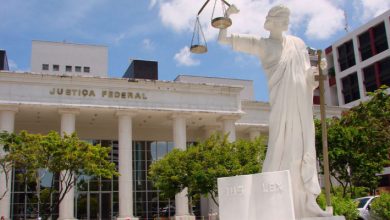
(211, 77)
(69, 43)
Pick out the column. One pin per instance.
(7, 123)
(254, 133)
(68, 126)
(228, 126)
(180, 142)
(125, 165)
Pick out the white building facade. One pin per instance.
(141, 120)
(359, 62)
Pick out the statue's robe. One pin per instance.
(291, 144)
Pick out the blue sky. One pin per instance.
(161, 30)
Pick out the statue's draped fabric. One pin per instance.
(291, 144)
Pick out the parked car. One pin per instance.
(364, 206)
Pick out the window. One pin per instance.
(373, 41)
(350, 88)
(45, 66)
(346, 55)
(370, 78)
(384, 71)
(365, 45)
(86, 69)
(56, 67)
(68, 68)
(380, 39)
(77, 68)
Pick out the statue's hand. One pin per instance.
(232, 10)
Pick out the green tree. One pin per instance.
(344, 206)
(359, 143)
(380, 207)
(199, 167)
(65, 158)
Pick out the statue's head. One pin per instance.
(277, 18)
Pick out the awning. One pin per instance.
(386, 171)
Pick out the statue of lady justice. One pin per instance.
(291, 83)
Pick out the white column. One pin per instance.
(228, 124)
(7, 123)
(125, 163)
(254, 133)
(180, 142)
(68, 126)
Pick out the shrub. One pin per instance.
(341, 206)
(380, 207)
(351, 192)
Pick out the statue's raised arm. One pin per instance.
(240, 42)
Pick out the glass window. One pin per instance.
(362, 202)
(365, 45)
(68, 68)
(77, 68)
(350, 88)
(170, 146)
(369, 78)
(161, 149)
(106, 202)
(56, 67)
(153, 150)
(346, 55)
(384, 71)
(380, 38)
(94, 208)
(45, 66)
(86, 69)
(82, 205)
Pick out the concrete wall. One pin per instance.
(63, 54)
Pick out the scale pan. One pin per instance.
(198, 48)
(221, 22)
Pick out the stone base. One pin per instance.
(265, 195)
(324, 218)
(213, 217)
(127, 218)
(184, 217)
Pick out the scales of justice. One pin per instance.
(198, 41)
(288, 185)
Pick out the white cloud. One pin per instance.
(183, 58)
(320, 19)
(371, 8)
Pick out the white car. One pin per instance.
(364, 206)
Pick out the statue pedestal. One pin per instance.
(325, 218)
(184, 217)
(258, 196)
(127, 218)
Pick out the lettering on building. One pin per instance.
(109, 94)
